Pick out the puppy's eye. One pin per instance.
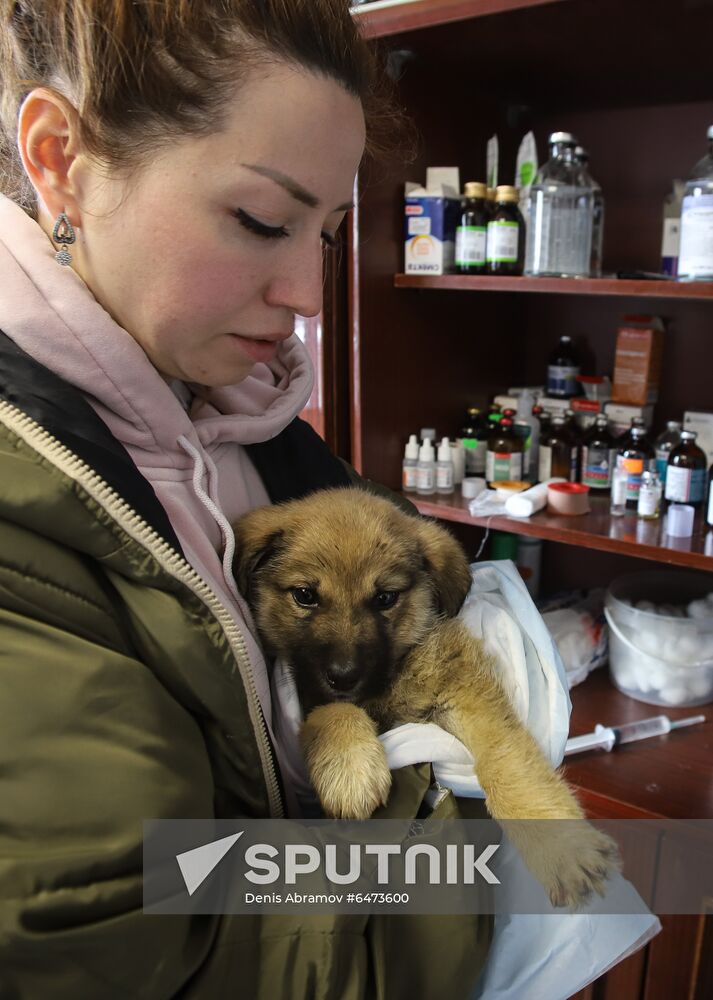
(385, 599)
(305, 597)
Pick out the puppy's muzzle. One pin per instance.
(342, 678)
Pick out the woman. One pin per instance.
(180, 166)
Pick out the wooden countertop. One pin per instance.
(669, 776)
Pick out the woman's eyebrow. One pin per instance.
(292, 187)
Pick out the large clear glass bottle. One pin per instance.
(695, 259)
(665, 443)
(558, 453)
(559, 234)
(595, 266)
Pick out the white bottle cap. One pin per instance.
(679, 520)
(426, 453)
(472, 486)
(444, 450)
(412, 448)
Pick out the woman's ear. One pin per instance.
(258, 537)
(447, 564)
(48, 141)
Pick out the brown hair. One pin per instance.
(140, 72)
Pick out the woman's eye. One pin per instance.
(385, 599)
(305, 597)
(259, 228)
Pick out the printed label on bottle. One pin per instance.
(670, 246)
(633, 486)
(662, 464)
(696, 252)
(709, 516)
(596, 470)
(685, 485)
(562, 380)
(648, 501)
(503, 465)
(409, 477)
(425, 478)
(444, 476)
(503, 242)
(474, 456)
(471, 245)
(544, 470)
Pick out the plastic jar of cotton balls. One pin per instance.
(661, 637)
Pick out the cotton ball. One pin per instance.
(669, 610)
(709, 597)
(675, 694)
(646, 606)
(699, 609)
(649, 642)
(702, 687)
(687, 650)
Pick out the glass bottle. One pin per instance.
(504, 458)
(506, 234)
(558, 455)
(559, 234)
(625, 440)
(665, 443)
(595, 267)
(686, 472)
(472, 230)
(649, 505)
(695, 259)
(709, 509)
(563, 368)
(597, 447)
(474, 438)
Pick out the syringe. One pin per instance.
(607, 737)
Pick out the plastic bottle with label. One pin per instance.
(686, 472)
(504, 458)
(444, 468)
(563, 368)
(506, 234)
(558, 453)
(665, 443)
(598, 452)
(695, 260)
(410, 464)
(559, 233)
(472, 230)
(426, 470)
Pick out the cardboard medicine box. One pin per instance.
(431, 216)
(637, 364)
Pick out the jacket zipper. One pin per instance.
(169, 560)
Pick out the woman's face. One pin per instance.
(217, 244)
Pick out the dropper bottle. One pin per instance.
(410, 464)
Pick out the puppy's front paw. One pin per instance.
(346, 761)
(571, 860)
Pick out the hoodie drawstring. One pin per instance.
(200, 466)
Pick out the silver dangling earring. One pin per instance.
(64, 234)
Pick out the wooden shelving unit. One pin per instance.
(685, 291)
(381, 19)
(627, 535)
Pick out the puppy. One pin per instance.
(360, 600)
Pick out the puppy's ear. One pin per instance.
(447, 564)
(258, 536)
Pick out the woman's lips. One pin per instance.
(258, 350)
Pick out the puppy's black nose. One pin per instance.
(342, 677)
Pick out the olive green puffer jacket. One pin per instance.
(125, 694)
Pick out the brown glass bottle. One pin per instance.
(686, 472)
(472, 230)
(504, 458)
(558, 453)
(506, 234)
(597, 453)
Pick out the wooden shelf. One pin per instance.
(626, 535)
(391, 17)
(699, 290)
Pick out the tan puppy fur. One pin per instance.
(359, 599)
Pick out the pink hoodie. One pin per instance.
(193, 459)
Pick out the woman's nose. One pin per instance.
(299, 287)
